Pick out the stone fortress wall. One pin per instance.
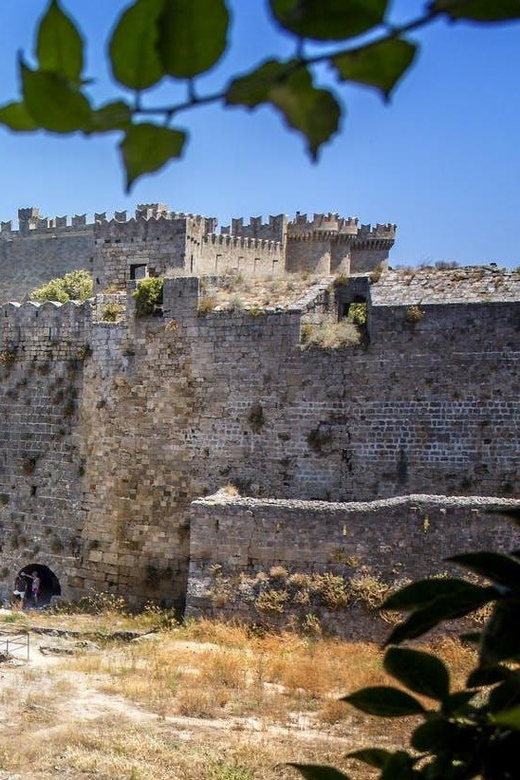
(111, 430)
(245, 550)
(157, 240)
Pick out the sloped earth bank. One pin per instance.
(62, 715)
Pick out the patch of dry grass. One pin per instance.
(253, 293)
(331, 335)
(207, 701)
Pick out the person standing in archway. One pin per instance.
(35, 586)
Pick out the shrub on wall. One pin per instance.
(74, 286)
(357, 313)
(7, 358)
(414, 314)
(112, 312)
(331, 335)
(256, 417)
(148, 296)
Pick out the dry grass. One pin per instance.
(206, 701)
(331, 335)
(252, 295)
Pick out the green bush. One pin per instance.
(357, 313)
(74, 286)
(148, 296)
(112, 312)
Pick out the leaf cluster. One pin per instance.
(74, 286)
(156, 40)
(467, 733)
(148, 296)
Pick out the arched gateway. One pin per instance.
(50, 584)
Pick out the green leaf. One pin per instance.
(378, 65)
(146, 148)
(255, 87)
(501, 637)
(502, 569)
(59, 45)
(487, 675)
(328, 20)
(505, 696)
(421, 672)
(16, 117)
(385, 702)
(288, 87)
(112, 116)
(53, 103)
(133, 46)
(372, 756)
(457, 703)
(509, 718)
(424, 592)
(399, 767)
(443, 608)
(480, 10)
(440, 734)
(192, 36)
(318, 772)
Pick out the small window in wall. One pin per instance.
(138, 272)
(218, 263)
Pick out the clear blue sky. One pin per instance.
(442, 161)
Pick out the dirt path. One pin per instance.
(87, 702)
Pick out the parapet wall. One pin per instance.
(246, 554)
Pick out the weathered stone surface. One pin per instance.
(111, 429)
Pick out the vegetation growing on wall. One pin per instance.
(414, 314)
(256, 417)
(357, 313)
(331, 335)
(206, 305)
(112, 312)
(74, 286)
(8, 358)
(148, 296)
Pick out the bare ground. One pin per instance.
(62, 714)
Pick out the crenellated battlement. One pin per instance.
(322, 223)
(32, 330)
(42, 310)
(329, 226)
(240, 241)
(381, 230)
(273, 230)
(121, 247)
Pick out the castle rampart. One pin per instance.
(111, 429)
(157, 241)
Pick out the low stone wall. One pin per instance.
(327, 566)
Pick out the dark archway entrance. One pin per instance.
(50, 584)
